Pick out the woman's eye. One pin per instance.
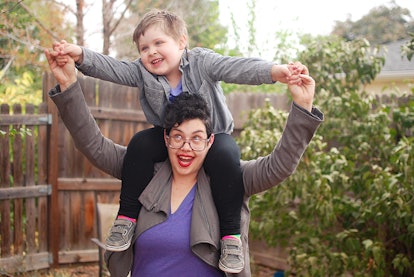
(196, 139)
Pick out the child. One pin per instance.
(165, 69)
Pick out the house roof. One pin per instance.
(395, 64)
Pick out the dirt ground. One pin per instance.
(92, 270)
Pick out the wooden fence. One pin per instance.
(24, 190)
(48, 190)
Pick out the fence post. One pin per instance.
(52, 172)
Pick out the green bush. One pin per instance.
(23, 90)
(348, 208)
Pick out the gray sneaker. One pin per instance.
(231, 259)
(120, 235)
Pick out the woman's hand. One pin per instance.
(303, 92)
(66, 74)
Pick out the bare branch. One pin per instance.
(120, 18)
(4, 70)
(27, 43)
(12, 8)
(38, 21)
(65, 7)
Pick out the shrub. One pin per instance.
(348, 208)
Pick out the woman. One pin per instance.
(181, 179)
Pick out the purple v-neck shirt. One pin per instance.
(164, 250)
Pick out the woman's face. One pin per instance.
(185, 161)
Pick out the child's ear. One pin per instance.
(183, 42)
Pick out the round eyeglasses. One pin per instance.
(196, 143)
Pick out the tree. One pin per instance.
(381, 25)
(408, 48)
(25, 30)
(78, 13)
(347, 210)
(110, 21)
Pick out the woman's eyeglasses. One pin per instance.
(196, 143)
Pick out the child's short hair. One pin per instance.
(169, 22)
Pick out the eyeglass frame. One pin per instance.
(187, 140)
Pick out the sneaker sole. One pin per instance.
(229, 270)
(117, 248)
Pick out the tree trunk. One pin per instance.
(106, 21)
(80, 30)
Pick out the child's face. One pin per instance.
(161, 53)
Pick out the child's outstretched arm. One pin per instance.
(96, 65)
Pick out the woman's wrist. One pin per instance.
(65, 85)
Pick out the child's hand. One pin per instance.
(59, 58)
(63, 49)
(296, 69)
(288, 73)
(281, 73)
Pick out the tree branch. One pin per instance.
(120, 18)
(22, 41)
(38, 21)
(12, 8)
(4, 70)
(65, 7)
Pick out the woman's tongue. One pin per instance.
(184, 160)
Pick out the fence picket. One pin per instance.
(5, 248)
(42, 203)
(30, 230)
(17, 182)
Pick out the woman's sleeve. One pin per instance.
(99, 150)
(266, 172)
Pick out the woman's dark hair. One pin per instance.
(185, 107)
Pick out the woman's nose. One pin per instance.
(186, 146)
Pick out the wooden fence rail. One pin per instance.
(48, 190)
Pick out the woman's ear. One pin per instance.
(165, 138)
(211, 141)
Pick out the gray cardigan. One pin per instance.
(258, 175)
(202, 70)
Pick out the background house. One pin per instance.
(397, 73)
